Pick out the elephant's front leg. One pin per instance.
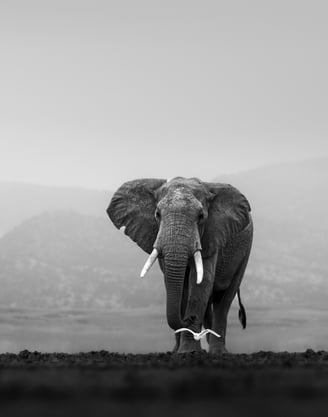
(199, 295)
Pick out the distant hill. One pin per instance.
(76, 258)
(69, 260)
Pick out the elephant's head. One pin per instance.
(179, 221)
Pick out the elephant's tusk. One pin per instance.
(199, 266)
(149, 263)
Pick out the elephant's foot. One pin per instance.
(188, 344)
(194, 347)
(177, 343)
(217, 350)
(217, 345)
(188, 348)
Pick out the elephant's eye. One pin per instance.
(200, 217)
(157, 215)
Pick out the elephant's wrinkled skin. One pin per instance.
(180, 217)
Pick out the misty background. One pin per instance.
(97, 93)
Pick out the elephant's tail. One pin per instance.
(242, 311)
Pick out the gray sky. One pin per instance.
(93, 93)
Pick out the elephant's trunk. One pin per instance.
(177, 241)
(175, 271)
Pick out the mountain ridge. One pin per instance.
(19, 201)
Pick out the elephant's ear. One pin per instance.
(133, 206)
(228, 214)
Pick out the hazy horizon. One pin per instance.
(224, 175)
(97, 93)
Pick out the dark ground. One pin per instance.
(103, 383)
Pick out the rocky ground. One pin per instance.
(103, 383)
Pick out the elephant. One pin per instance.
(201, 234)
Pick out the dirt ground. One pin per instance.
(103, 383)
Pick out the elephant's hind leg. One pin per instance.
(208, 318)
(221, 305)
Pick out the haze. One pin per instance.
(94, 93)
